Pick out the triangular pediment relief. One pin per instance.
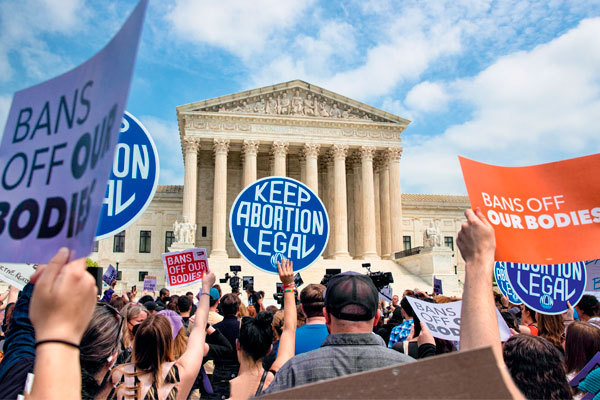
(293, 99)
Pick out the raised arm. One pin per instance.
(191, 360)
(477, 244)
(287, 343)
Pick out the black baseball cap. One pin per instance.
(351, 289)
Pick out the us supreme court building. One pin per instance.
(346, 151)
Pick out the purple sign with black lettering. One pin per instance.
(57, 152)
(548, 288)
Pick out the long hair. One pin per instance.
(99, 342)
(256, 335)
(581, 344)
(153, 346)
(130, 311)
(551, 328)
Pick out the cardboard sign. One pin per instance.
(150, 283)
(473, 374)
(185, 267)
(592, 269)
(443, 320)
(133, 179)
(110, 275)
(276, 218)
(504, 284)
(17, 275)
(437, 286)
(57, 151)
(542, 214)
(548, 288)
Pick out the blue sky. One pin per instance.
(504, 82)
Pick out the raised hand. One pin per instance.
(286, 271)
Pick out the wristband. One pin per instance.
(206, 293)
(289, 285)
(288, 290)
(57, 341)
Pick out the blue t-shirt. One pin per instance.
(310, 337)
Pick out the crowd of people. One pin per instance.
(219, 345)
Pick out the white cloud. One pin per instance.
(242, 27)
(529, 107)
(427, 96)
(166, 137)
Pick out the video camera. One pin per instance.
(329, 273)
(234, 281)
(380, 279)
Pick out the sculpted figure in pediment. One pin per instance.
(297, 104)
(284, 104)
(323, 110)
(259, 107)
(271, 106)
(310, 106)
(335, 111)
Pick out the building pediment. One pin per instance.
(293, 99)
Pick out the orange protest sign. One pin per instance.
(542, 214)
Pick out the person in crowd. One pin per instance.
(421, 346)
(134, 314)
(277, 325)
(312, 334)
(582, 342)
(510, 320)
(351, 303)
(250, 294)
(178, 331)
(251, 311)
(184, 304)
(227, 366)
(529, 322)
(272, 309)
(154, 372)
(401, 332)
(213, 316)
(242, 309)
(551, 328)
(588, 309)
(163, 297)
(108, 293)
(145, 298)
(256, 338)
(190, 296)
(536, 366)
(172, 304)
(118, 302)
(152, 307)
(395, 320)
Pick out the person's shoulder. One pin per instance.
(394, 356)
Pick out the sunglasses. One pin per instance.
(114, 311)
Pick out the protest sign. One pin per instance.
(542, 214)
(548, 288)
(16, 275)
(276, 218)
(109, 275)
(184, 267)
(504, 284)
(443, 320)
(437, 286)
(150, 283)
(472, 374)
(57, 151)
(592, 269)
(133, 179)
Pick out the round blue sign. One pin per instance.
(276, 218)
(504, 284)
(133, 179)
(547, 288)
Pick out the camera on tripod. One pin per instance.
(234, 281)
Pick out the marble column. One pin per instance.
(376, 187)
(358, 236)
(386, 228)
(339, 152)
(279, 152)
(369, 228)
(249, 151)
(394, 154)
(191, 145)
(311, 153)
(219, 234)
(329, 190)
(302, 161)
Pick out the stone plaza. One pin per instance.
(346, 151)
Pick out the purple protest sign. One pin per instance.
(150, 284)
(109, 275)
(437, 286)
(57, 152)
(548, 288)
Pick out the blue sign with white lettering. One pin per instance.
(504, 284)
(133, 179)
(276, 218)
(547, 288)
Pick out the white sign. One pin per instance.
(443, 320)
(592, 283)
(17, 274)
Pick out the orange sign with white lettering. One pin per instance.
(542, 214)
